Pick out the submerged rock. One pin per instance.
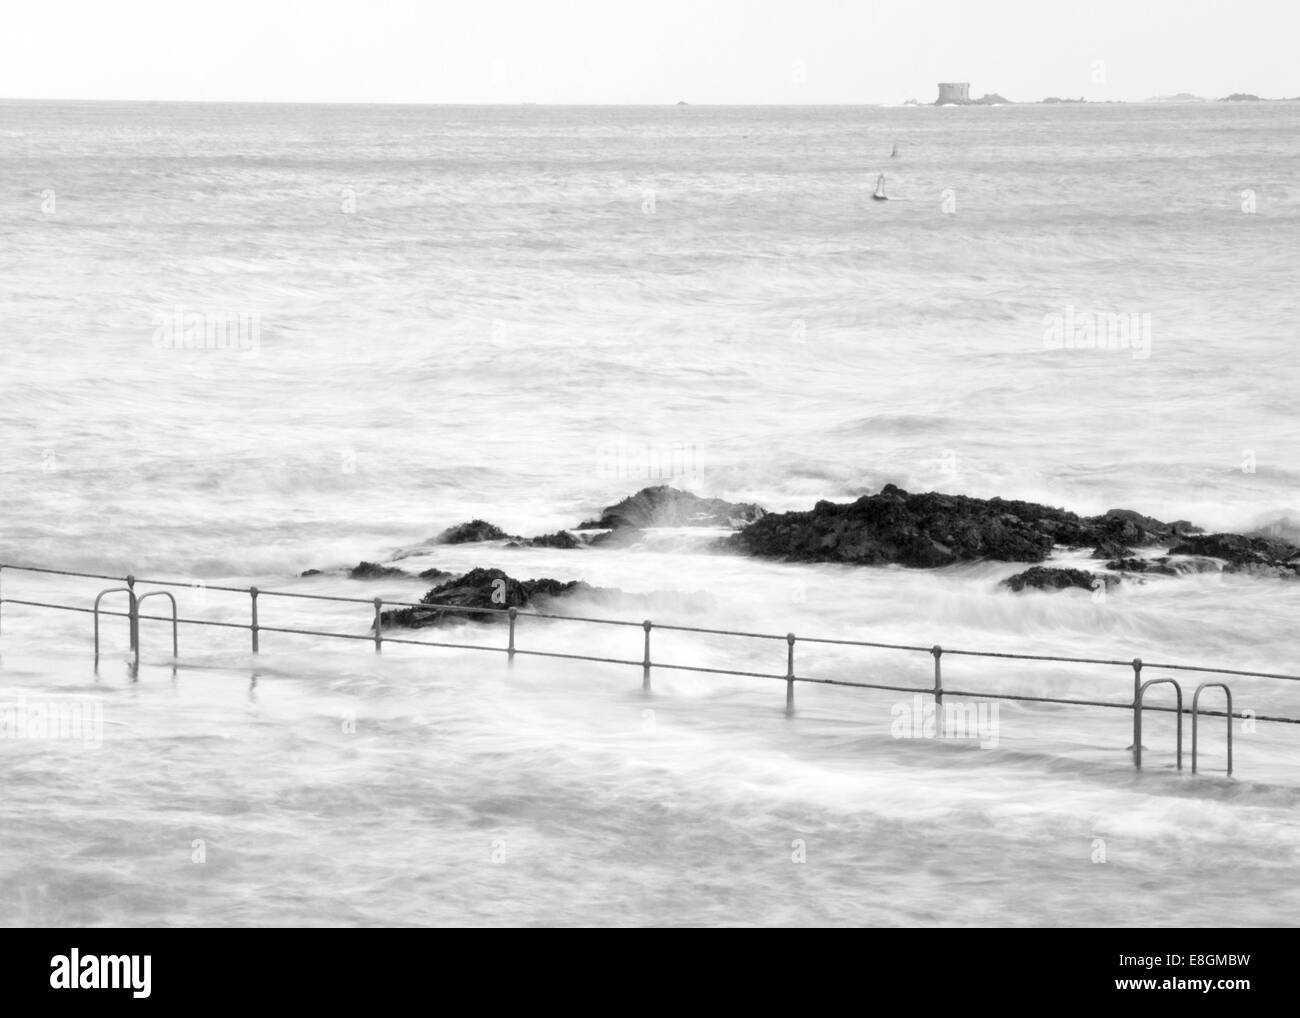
(1051, 578)
(663, 506)
(474, 530)
(1165, 565)
(559, 539)
(479, 589)
(374, 571)
(1260, 556)
(435, 574)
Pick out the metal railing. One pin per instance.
(379, 635)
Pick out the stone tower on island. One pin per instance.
(953, 92)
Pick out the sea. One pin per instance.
(239, 342)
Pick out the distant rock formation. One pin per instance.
(1241, 97)
(1178, 97)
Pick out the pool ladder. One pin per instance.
(1178, 707)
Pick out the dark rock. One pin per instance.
(310, 572)
(663, 506)
(1261, 556)
(915, 530)
(374, 571)
(1050, 578)
(934, 529)
(1124, 526)
(474, 530)
(1111, 550)
(456, 599)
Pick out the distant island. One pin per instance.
(957, 93)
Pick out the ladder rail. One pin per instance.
(1195, 707)
(1137, 719)
(175, 620)
(132, 616)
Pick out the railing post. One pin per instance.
(510, 647)
(134, 621)
(1137, 721)
(937, 651)
(253, 627)
(379, 625)
(789, 673)
(645, 661)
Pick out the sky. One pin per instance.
(610, 51)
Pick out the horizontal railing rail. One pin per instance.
(380, 634)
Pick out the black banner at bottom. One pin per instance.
(336, 968)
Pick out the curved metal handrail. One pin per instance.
(175, 619)
(1137, 719)
(1195, 698)
(133, 614)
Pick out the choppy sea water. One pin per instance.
(528, 313)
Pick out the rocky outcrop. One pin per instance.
(663, 506)
(1051, 578)
(474, 530)
(933, 529)
(454, 599)
(1261, 556)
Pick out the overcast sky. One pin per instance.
(653, 51)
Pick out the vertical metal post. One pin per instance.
(937, 651)
(789, 673)
(134, 621)
(1136, 747)
(645, 661)
(253, 627)
(510, 646)
(379, 625)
